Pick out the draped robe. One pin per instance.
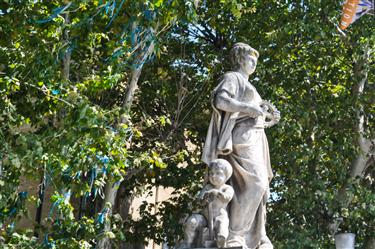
(240, 139)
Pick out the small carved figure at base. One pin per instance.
(192, 229)
(215, 196)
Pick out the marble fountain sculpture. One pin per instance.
(237, 154)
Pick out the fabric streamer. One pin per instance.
(355, 9)
(55, 13)
(102, 216)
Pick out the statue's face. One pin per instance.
(217, 177)
(249, 63)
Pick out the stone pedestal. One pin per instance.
(345, 240)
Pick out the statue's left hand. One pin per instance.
(213, 192)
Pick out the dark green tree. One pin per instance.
(73, 117)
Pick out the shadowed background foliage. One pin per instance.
(111, 98)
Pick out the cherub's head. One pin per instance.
(244, 58)
(220, 171)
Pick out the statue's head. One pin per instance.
(243, 57)
(220, 171)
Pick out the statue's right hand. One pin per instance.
(210, 195)
(255, 111)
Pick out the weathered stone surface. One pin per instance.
(211, 228)
(236, 134)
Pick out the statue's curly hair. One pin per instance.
(238, 51)
(224, 165)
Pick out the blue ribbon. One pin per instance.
(102, 216)
(54, 14)
(59, 201)
(55, 92)
(78, 175)
(93, 176)
(103, 159)
(22, 195)
(49, 244)
(117, 12)
(12, 211)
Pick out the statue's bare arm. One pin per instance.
(203, 195)
(227, 194)
(225, 103)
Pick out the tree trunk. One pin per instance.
(110, 189)
(370, 243)
(365, 155)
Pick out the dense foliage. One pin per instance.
(64, 77)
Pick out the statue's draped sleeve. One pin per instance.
(219, 136)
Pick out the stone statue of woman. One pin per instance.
(236, 133)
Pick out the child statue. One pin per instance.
(215, 196)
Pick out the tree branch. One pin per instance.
(366, 146)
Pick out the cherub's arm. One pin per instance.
(202, 196)
(227, 193)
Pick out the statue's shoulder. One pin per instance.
(227, 187)
(230, 75)
(229, 83)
